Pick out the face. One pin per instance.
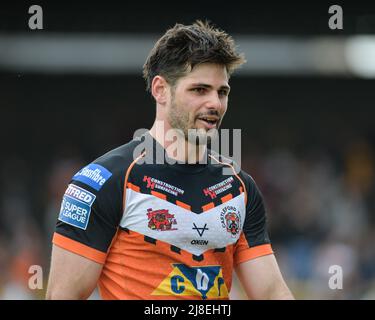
(199, 100)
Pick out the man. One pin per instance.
(152, 230)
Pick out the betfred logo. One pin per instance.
(161, 220)
(80, 194)
(76, 206)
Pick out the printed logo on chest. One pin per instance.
(218, 188)
(152, 183)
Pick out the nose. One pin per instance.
(214, 102)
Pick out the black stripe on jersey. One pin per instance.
(175, 249)
(125, 229)
(199, 199)
(198, 258)
(150, 240)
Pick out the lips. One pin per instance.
(209, 121)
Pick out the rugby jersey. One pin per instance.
(162, 230)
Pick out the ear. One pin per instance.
(159, 89)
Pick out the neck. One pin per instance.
(176, 144)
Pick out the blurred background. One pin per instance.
(304, 101)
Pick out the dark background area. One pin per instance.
(246, 17)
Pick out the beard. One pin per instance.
(181, 120)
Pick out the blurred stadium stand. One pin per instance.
(304, 102)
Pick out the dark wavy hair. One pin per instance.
(185, 46)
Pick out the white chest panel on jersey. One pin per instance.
(196, 233)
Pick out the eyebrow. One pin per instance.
(208, 86)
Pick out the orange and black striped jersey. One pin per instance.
(161, 230)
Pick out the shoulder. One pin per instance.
(120, 157)
(220, 160)
(112, 164)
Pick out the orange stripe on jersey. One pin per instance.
(183, 205)
(234, 172)
(133, 187)
(253, 253)
(122, 277)
(127, 177)
(159, 195)
(244, 253)
(226, 198)
(208, 206)
(79, 248)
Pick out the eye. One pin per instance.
(199, 90)
(223, 92)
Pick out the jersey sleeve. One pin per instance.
(254, 240)
(91, 210)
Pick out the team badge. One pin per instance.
(231, 220)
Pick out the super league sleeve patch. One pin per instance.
(94, 175)
(76, 206)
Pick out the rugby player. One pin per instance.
(161, 230)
